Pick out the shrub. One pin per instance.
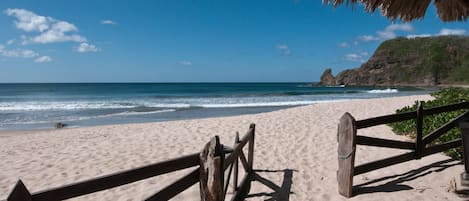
(433, 122)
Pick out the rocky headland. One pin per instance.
(427, 61)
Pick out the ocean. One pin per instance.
(40, 106)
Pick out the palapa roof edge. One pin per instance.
(409, 10)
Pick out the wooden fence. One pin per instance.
(211, 164)
(348, 139)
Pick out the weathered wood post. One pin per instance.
(251, 147)
(19, 193)
(212, 171)
(236, 163)
(346, 136)
(464, 126)
(419, 133)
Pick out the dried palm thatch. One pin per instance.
(408, 10)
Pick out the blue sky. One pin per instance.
(192, 41)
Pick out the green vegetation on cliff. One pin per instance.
(416, 61)
(445, 58)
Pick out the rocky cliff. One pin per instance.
(419, 62)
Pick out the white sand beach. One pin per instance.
(296, 147)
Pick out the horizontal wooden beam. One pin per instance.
(445, 128)
(136, 174)
(227, 149)
(405, 157)
(365, 123)
(176, 187)
(446, 108)
(117, 179)
(442, 147)
(378, 142)
(383, 163)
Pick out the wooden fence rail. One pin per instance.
(205, 162)
(348, 139)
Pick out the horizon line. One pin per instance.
(153, 82)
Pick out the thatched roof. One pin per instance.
(408, 10)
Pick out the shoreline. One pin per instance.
(40, 106)
(238, 111)
(300, 140)
(177, 115)
(417, 86)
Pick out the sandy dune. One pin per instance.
(296, 155)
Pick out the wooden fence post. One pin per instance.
(419, 135)
(464, 126)
(19, 193)
(236, 163)
(212, 171)
(251, 147)
(346, 136)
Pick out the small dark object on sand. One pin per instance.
(60, 125)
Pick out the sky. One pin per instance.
(192, 41)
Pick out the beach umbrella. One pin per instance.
(408, 10)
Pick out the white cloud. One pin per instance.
(418, 36)
(51, 30)
(18, 53)
(85, 47)
(385, 35)
(344, 45)
(400, 27)
(24, 40)
(389, 32)
(29, 21)
(23, 53)
(58, 33)
(282, 46)
(53, 36)
(445, 32)
(356, 57)
(110, 22)
(10, 42)
(284, 49)
(43, 59)
(185, 63)
(63, 26)
(367, 38)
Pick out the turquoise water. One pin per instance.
(38, 106)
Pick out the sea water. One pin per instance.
(39, 106)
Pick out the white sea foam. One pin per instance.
(174, 104)
(167, 105)
(37, 106)
(267, 104)
(207, 103)
(383, 91)
(81, 118)
(129, 113)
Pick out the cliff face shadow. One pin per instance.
(279, 193)
(395, 183)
